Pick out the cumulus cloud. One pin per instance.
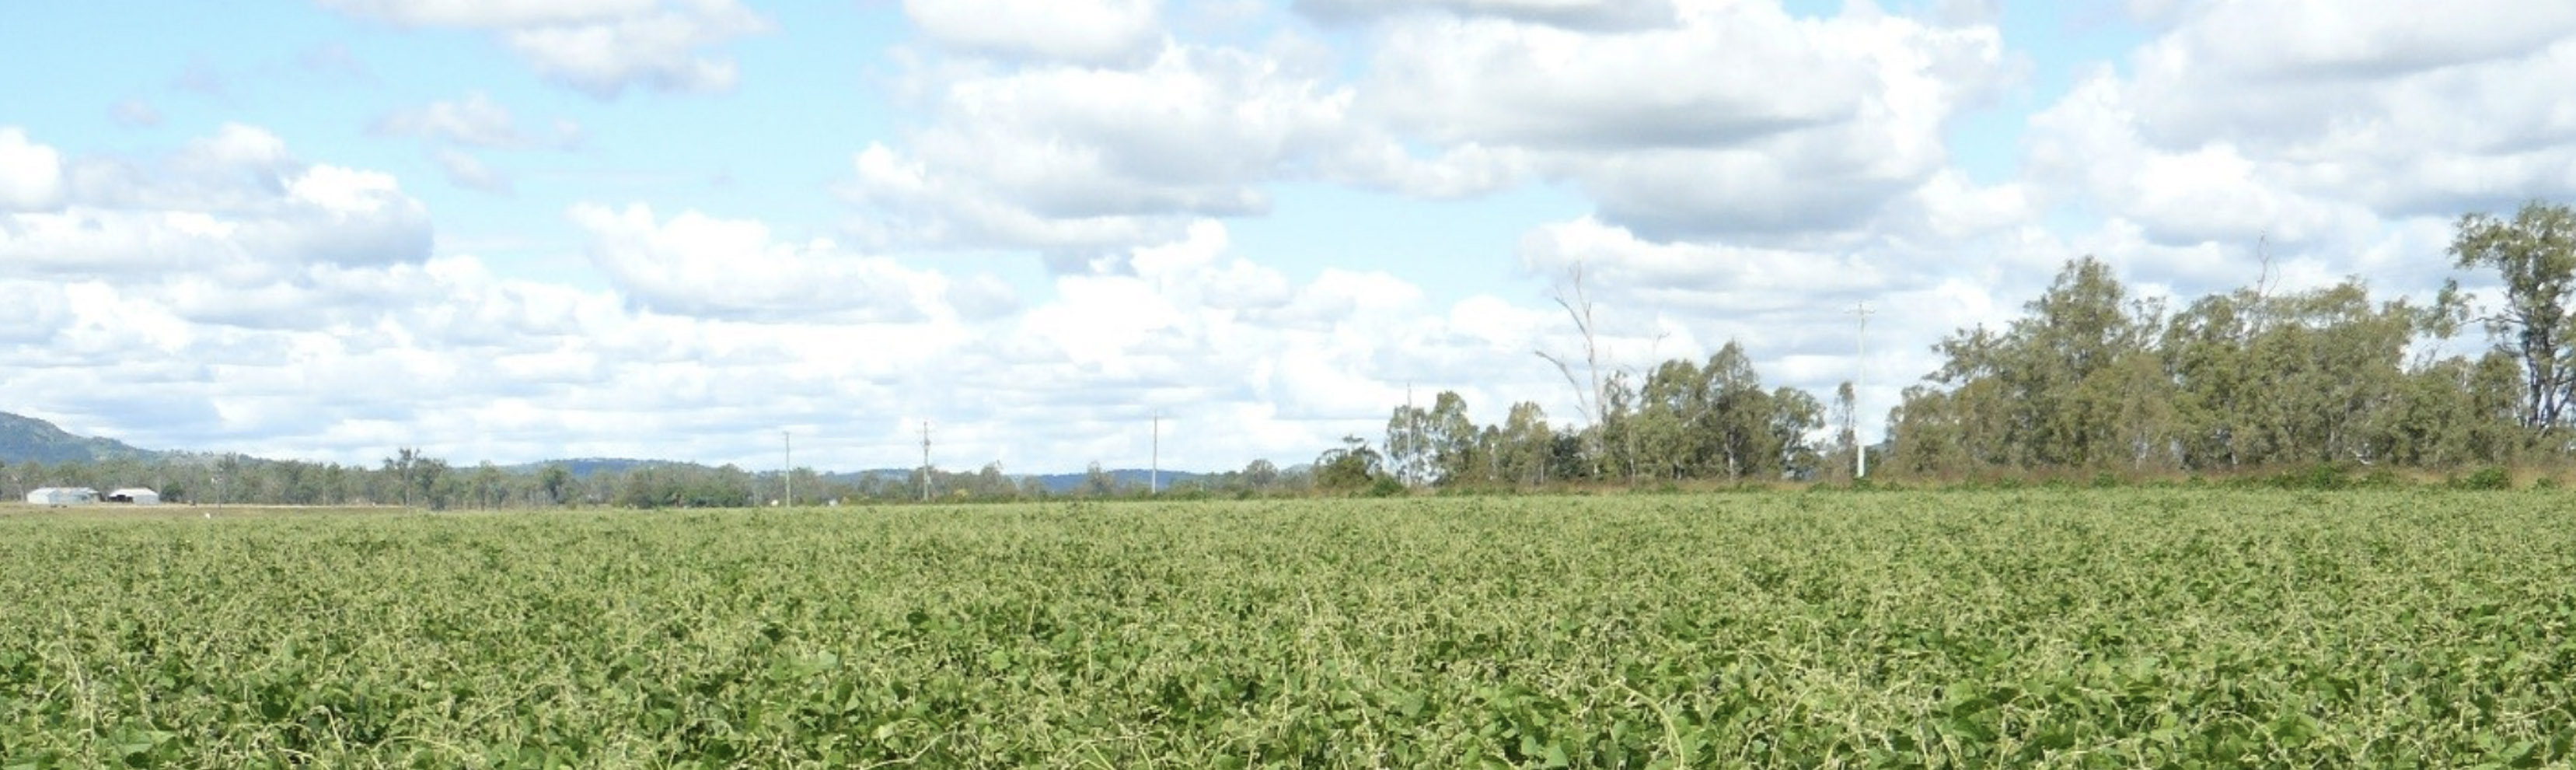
(1081, 159)
(600, 47)
(233, 202)
(31, 174)
(704, 266)
(1063, 156)
(2330, 136)
(1786, 125)
(1103, 32)
(1071, 158)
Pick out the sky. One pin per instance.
(515, 230)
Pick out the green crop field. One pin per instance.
(2122, 628)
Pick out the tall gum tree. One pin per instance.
(2534, 256)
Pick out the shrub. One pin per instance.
(2318, 477)
(1385, 486)
(2489, 477)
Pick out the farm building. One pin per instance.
(135, 495)
(62, 496)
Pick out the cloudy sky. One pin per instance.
(525, 229)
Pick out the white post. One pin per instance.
(1860, 379)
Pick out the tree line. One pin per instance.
(411, 477)
(2091, 378)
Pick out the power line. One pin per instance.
(925, 461)
(787, 472)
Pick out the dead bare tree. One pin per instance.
(1586, 396)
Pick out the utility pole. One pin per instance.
(787, 473)
(925, 461)
(1154, 478)
(1404, 471)
(1860, 375)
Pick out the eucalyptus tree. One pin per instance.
(1735, 418)
(2534, 256)
(1526, 444)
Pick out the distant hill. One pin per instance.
(27, 439)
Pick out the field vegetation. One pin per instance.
(2409, 627)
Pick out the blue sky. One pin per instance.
(672, 228)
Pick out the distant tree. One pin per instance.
(228, 476)
(1348, 468)
(1665, 429)
(1735, 418)
(1409, 445)
(1795, 415)
(1845, 418)
(1097, 482)
(2046, 391)
(1452, 436)
(429, 475)
(487, 485)
(1589, 386)
(1526, 444)
(2534, 256)
(401, 466)
(990, 483)
(1260, 475)
(556, 482)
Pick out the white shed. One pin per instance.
(62, 496)
(135, 495)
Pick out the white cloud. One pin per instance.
(31, 174)
(467, 171)
(474, 121)
(702, 266)
(1579, 14)
(235, 203)
(2326, 135)
(1063, 156)
(1785, 124)
(492, 13)
(1085, 31)
(1080, 159)
(600, 47)
(1070, 158)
